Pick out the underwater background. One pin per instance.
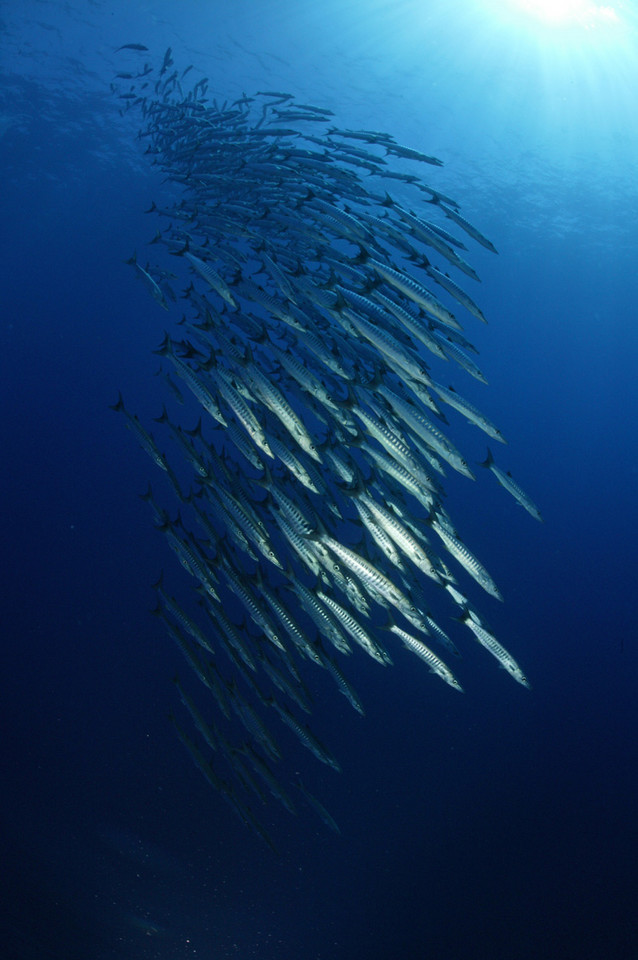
(497, 824)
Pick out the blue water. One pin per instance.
(499, 824)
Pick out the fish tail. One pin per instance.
(119, 405)
(196, 431)
(165, 349)
(487, 463)
(163, 418)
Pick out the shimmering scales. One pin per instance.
(312, 515)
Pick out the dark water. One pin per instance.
(499, 824)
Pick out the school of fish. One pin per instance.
(322, 324)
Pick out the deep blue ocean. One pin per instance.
(497, 825)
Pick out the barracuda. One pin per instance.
(507, 481)
(312, 338)
(436, 665)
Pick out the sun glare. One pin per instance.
(568, 12)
